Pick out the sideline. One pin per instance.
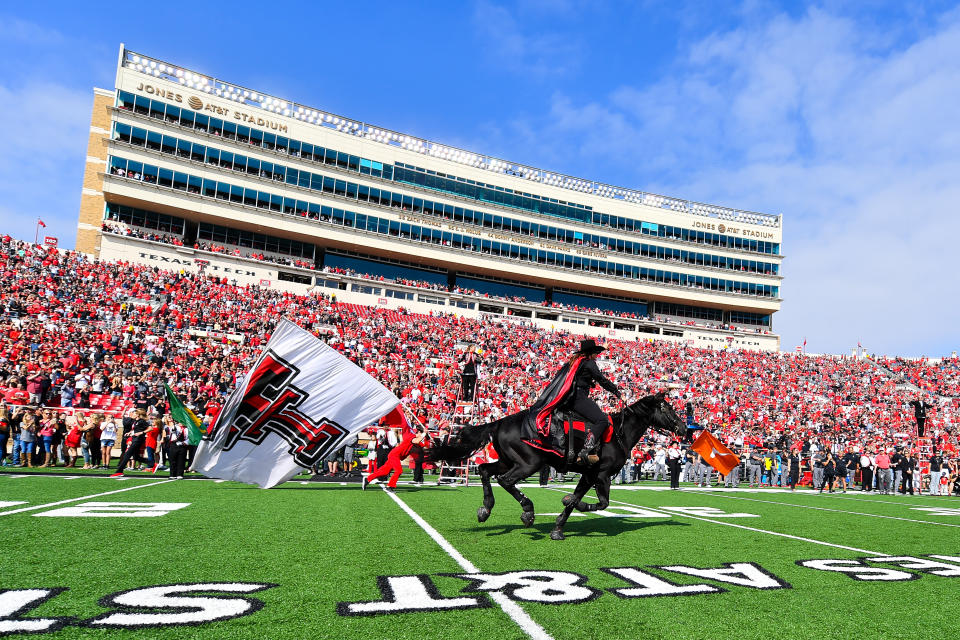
(511, 608)
(95, 495)
(754, 529)
(854, 513)
(950, 504)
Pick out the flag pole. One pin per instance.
(414, 416)
(36, 232)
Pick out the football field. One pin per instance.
(151, 557)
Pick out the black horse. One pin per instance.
(518, 460)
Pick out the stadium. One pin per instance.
(209, 164)
(216, 218)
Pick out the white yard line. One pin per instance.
(741, 526)
(854, 513)
(95, 495)
(511, 608)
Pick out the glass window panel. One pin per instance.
(138, 136)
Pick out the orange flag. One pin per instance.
(715, 452)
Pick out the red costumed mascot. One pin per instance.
(410, 437)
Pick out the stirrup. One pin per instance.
(586, 455)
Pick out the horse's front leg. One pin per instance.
(603, 496)
(569, 502)
(509, 481)
(486, 470)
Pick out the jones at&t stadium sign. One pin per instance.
(197, 104)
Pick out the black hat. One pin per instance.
(588, 347)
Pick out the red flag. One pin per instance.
(41, 223)
(715, 453)
(396, 420)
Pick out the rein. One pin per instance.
(618, 431)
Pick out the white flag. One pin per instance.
(299, 403)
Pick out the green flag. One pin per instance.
(183, 415)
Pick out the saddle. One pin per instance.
(567, 435)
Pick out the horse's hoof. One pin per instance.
(527, 518)
(556, 534)
(482, 514)
(567, 500)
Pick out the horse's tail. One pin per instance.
(463, 444)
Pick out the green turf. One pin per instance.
(325, 543)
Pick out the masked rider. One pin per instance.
(570, 390)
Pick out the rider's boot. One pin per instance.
(586, 456)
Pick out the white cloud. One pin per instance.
(855, 141)
(41, 168)
(47, 122)
(505, 41)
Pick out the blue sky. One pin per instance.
(841, 116)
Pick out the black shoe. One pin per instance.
(584, 456)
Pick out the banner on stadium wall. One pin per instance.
(301, 401)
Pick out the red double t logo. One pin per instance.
(271, 404)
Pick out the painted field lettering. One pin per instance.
(405, 594)
(858, 570)
(939, 511)
(647, 585)
(177, 604)
(742, 574)
(709, 512)
(115, 510)
(16, 602)
(545, 587)
(11, 503)
(624, 511)
(923, 565)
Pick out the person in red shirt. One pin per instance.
(150, 444)
(16, 395)
(412, 437)
(884, 476)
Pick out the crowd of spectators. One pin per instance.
(146, 234)
(941, 377)
(74, 329)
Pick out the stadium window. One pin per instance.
(122, 132)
